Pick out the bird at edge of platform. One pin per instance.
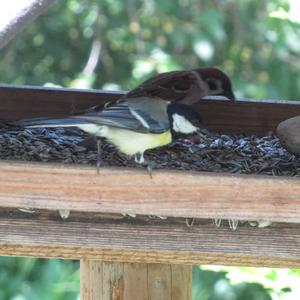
(132, 125)
(149, 116)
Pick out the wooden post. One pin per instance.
(134, 281)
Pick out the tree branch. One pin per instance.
(14, 17)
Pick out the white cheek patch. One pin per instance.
(182, 125)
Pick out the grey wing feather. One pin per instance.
(141, 114)
(153, 111)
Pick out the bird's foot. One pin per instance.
(150, 165)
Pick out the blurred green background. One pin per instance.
(115, 44)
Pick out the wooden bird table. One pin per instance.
(142, 258)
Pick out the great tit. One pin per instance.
(132, 125)
(186, 87)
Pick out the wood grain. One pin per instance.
(160, 281)
(87, 236)
(244, 116)
(91, 283)
(177, 194)
(181, 276)
(128, 281)
(136, 281)
(112, 281)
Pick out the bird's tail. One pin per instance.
(50, 122)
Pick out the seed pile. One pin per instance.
(215, 153)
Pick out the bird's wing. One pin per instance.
(170, 86)
(140, 114)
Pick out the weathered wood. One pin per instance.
(181, 277)
(177, 194)
(112, 281)
(159, 282)
(91, 284)
(29, 102)
(244, 116)
(128, 281)
(136, 281)
(89, 236)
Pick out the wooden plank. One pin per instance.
(136, 281)
(177, 193)
(159, 281)
(129, 281)
(17, 102)
(244, 116)
(112, 281)
(91, 284)
(88, 236)
(181, 276)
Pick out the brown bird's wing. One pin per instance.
(182, 86)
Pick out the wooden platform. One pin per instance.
(32, 194)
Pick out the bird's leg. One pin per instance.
(139, 158)
(150, 165)
(98, 155)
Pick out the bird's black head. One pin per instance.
(184, 120)
(217, 81)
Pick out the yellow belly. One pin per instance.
(130, 142)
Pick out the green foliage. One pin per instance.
(239, 283)
(212, 285)
(35, 279)
(118, 44)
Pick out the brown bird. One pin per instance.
(187, 87)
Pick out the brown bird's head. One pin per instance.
(218, 83)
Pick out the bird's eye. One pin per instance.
(212, 84)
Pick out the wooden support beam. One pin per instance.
(129, 281)
(175, 194)
(113, 238)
